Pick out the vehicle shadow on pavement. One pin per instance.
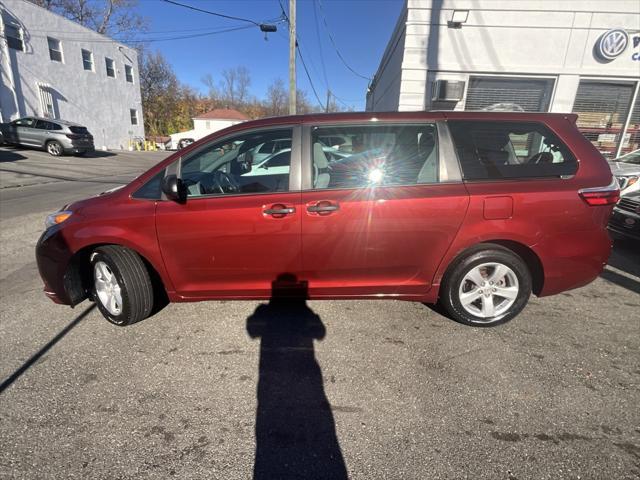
(295, 429)
(36, 356)
(9, 156)
(99, 154)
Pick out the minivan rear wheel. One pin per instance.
(54, 148)
(122, 288)
(488, 286)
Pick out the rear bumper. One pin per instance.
(79, 149)
(53, 256)
(573, 260)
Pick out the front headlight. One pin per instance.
(56, 218)
(626, 181)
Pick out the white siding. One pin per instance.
(90, 98)
(503, 37)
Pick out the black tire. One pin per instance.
(485, 258)
(54, 148)
(136, 287)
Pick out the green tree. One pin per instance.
(160, 91)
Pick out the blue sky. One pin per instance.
(360, 29)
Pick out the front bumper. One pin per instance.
(625, 223)
(53, 257)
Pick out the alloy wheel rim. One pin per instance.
(107, 288)
(488, 290)
(54, 148)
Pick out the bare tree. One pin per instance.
(277, 101)
(210, 83)
(235, 86)
(109, 17)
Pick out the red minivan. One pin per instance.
(469, 210)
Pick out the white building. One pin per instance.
(53, 67)
(210, 122)
(532, 55)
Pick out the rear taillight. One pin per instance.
(73, 136)
(598, 196)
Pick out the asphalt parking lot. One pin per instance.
(236, 390)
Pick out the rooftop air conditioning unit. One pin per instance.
(447, 91)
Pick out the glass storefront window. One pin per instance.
(603, 108)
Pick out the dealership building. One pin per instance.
(529, 55)
(53, 67)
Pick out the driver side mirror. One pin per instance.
(174, 189)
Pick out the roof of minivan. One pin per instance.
(409, 116)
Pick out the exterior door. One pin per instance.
(236, 233)
(379, 219)
(25, 131)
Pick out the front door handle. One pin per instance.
(323, 207)
(279, 210)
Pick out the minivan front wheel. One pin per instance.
(488, 286)
(54, 148)
(122, 288)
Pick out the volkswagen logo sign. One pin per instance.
(612, 44)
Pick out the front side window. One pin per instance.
(369, 156)
(502, 150)
(128, 73)
(134, 116)
(87, 60)
(13, 34)
(55, 49)
(227, 167)
(151, 189)
(25, 122)
(111, 67)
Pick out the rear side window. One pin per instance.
(502, 150)
(368, 156)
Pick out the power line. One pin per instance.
(308, 76)
(324, 68)
(146, 40)
(324, 19)
(230, 17)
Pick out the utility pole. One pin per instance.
(326, 108)
(292, 57)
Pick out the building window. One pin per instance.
(87, 60)
(603, 108)
(111, 67)
(128, 73)
(134, 116)
(13, 34)
(509, 94)
(46, 101)
(55, 49)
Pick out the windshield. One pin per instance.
(633, 157)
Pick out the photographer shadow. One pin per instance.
(295, 429)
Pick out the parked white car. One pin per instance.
(278, 163)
